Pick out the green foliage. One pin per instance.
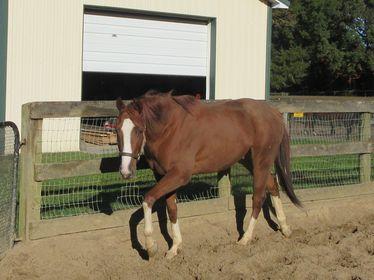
(323, 45)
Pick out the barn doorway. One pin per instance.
(125, 55)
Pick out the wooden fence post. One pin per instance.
(287, 123)
(365, 159)
(30, 190)
(224, 184)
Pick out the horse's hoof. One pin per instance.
(243, 241)
(286, 231)
(171, 254)
(153, 250)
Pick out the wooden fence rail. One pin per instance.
(33, 172)
(41, 110)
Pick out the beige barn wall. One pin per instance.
(45, 46)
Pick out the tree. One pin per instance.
(289, 60)
(323, 45)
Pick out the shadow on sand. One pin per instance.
(160, 209)
(241, 211)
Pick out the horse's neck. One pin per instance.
(159, 131)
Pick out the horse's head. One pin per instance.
(130, 134)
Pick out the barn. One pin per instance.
(96, 50)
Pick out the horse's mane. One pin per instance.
(154, 100)
(187, 102)
(156, 105)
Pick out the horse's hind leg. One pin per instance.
(175, 231)
(273, 188)
(261, 169)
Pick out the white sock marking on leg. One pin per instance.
(249, 232)
(277, 203)
(177, 240)
(148, 230)
(251, 227)
(177, 237)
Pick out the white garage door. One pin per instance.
(133, 45)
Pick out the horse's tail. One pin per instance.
(282, 169)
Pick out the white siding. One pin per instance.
(135, 45)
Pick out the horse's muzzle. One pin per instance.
(128, 176)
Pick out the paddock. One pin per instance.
(77, 217)
(334, 241)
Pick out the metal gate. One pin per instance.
(9, 154)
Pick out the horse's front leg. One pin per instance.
(150, 244)
(174, 179)
(175, 231)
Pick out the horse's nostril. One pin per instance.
(126, 176)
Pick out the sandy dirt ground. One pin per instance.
(334, 241)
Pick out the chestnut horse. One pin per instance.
(182, 136)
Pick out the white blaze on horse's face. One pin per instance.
(126, 129)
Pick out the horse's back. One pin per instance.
(228, 129)
(258, 110)
(254, 118)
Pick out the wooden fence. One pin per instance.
(34, 171)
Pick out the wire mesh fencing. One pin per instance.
(9, 146)
(317, 171)
(308, 172)
(324, 128)
(71, 139)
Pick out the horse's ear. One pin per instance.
(170, 92)
(119, 103)
(137, 105)
(135, 113)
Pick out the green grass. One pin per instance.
(320, 141)
(109, 192)
(309, 172)
(89, 194)
(69, 156)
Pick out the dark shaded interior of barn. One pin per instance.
(109, 86)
